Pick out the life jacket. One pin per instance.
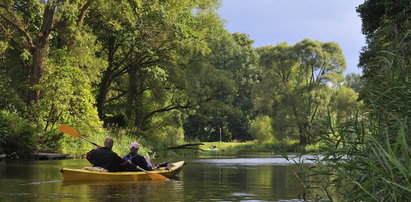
(105, 158)
(129, 157)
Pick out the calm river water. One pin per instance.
(209, 177)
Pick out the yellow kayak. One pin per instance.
(88, 175)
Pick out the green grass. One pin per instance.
(291, 146)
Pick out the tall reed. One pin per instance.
(361, 165)
(367, 158)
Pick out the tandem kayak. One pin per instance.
(88, 175)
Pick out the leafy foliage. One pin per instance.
(17, 136)
(222, 81)
(385, 60)
(361, 162)
(293, 90)
(368, 157)
(160, 72)
(261, 129)
(354, 81)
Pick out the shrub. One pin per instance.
(261, 129)
(49, 141)
(17, 135)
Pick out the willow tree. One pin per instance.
(294, 83)
(141, 43)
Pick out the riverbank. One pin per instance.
(291, 146)
(155, 150)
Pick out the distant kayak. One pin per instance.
(211, 150)
(88, 175)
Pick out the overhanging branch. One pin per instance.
(168, 108)
(18, 26)
(83, 12)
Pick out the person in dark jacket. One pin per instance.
(137, 160)
(105, 158)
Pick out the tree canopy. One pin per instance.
(161, 70)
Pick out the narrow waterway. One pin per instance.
(209, 177)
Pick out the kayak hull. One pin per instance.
(70, 175)
(211, 150)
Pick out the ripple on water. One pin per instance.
(258, 161)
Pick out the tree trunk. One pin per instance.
(139, 120)
(131, 93)
(106, 80)
(139, 113)
(303, 139)
(102, 92)
(40, 52)
(304, 136)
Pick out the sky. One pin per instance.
(269, 22)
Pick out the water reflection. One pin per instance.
(138, 191)
(258, 161)
(204, 178)
(256, 158)
(240, 179)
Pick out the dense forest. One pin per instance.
(167, 72)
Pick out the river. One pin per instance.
(207, 177)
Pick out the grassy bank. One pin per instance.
(291, 146)
(157, 149)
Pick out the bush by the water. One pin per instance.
(261, 129)
(17, 135)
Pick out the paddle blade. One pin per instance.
(155, 176)
(70, 131)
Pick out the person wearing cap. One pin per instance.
(135, 159)
(104, 157)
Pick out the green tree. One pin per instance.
(291, 90)
(49, 62)
(246, 73)
(144, 77)
(344, 104)
(354, 81)
(33, 23)
(261, 129)
(375, 143)
(385, 59)
(235, 60)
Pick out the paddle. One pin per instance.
(70, 131)
(153, 176)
